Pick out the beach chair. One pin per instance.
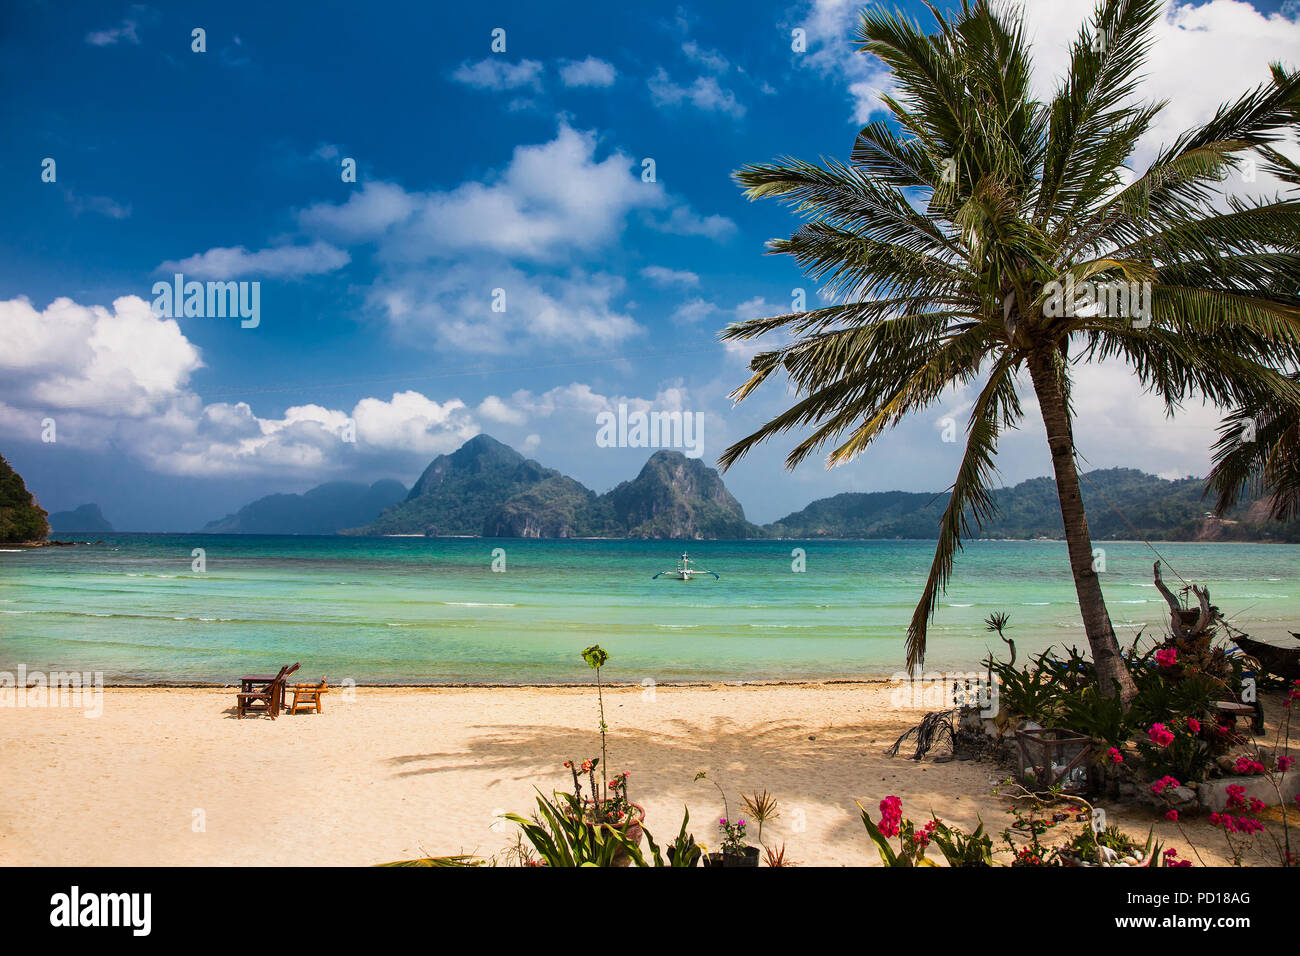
(307, 697)
(260, 692)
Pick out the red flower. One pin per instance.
(1160, 735)
(891, 815)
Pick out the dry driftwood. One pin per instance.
(1187, 622)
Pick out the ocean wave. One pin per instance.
(472, 604)
(961, 605)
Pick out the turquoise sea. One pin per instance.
(416, 610)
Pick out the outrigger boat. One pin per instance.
(1282, 661)
(685, 571)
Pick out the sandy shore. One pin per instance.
(402, 773)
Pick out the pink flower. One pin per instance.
(1193, 725)
(1171, 858)
(891, 815)
(1246, 766)
(1115, 755)
(1166, 657)
(1285, 763)
(1160, 735)
(1164, 783)
(1172, 815)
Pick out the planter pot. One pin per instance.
(632, 829)
(671, 853)
(1142, 860)
(748, 857)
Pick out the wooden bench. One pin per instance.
(307, 696)
(1230, 710)
(263, 692)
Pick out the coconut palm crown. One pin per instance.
(1258, 451)
(954, 250)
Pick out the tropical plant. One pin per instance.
(777, 857)
(1258, 453)
(1111, 846)
(561, 837)
(611, 807)
(1259, 444)
(1036, 814)
(944, 248)
(1033, 691)
(963, 849)
(596, 658)
(732, 829)
(761, 808)
(1100, 717)
(682, 852)
(461, 859)
(911, 841)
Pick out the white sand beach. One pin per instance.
(170, 777)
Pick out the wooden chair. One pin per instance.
(261, 693)
(307, 696)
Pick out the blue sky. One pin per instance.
(477, 170)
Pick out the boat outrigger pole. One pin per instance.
(685, 571)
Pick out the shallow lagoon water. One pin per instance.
(416, 610)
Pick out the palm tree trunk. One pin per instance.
(1112, 672)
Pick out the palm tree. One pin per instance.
(944, 246)
(1258, 451)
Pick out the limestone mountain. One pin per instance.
(459, 492)
(84, 518)
(678, 497)
(557, 507)
(21, 517)
(325, 509)
(487, 488)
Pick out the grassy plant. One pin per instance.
(777, 857)
(761, 807)
(561, 837)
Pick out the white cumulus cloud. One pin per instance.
(592, 72)
(279, 262)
